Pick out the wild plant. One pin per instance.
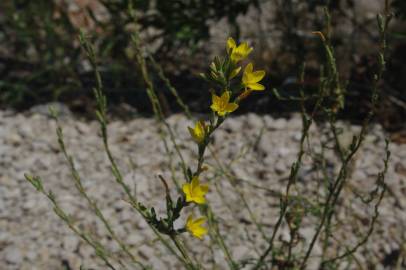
(232, 80)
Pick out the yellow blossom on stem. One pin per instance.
(222, 105)
(195, 191)
(198, 133)
(194, 226)
(251, 78)
(238, 53)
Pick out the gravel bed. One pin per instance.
(257, 150)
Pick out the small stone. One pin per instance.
(307, 233)
(29, 204)
(280, 167)
(43, 109)
(295, 121)
(146, 252)
(134, 238)
(13, 255)
(285, 235)
(254, 122)
(71, 242)
(83, 128)
(279, 123)
(297, 136)
(265, 145)
(241, 252)
(31, 255)
(232, 124)
(14, 139)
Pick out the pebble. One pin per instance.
(13, 255)
(279, 124)
(70, 242)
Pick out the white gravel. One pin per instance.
(32, 237)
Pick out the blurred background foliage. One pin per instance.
(41, 60)
(400, 7)
(40, 54)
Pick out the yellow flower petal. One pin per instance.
(222, 106)
(204, 188)
(222, 113)
(198, 133)
(230, 43)
(225, 97)
(248, 69)
(199, 221)
(231, 107)
(199, 233)
(195, 226)
(240, 52)
(258, 75)
(187, 191)
(186, 188)
(216, 99)
(214, 107)
(256, 87)
(199, 199)
(251, 78)
(194, 191)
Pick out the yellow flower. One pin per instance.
(194, 226)
(198, 133)
(239, 52)
(251, 78)
(195, 192)
(222, 105)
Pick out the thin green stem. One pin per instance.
(184, 252)
(101, 114)
(239, 192)
(99, 249)
(306, 124)
(93, 205)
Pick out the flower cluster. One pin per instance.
(230, 89)
(223, 73)
(195, 192)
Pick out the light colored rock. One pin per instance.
(71, 242)
(279, 124)
(61, 109)
(13, 255)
